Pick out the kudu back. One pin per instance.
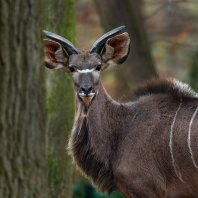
(143, 148)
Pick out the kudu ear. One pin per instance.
(55, 56)
(116, 50)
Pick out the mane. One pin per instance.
(169, 86)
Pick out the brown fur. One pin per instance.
(125, 146)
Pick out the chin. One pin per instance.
(87, 99)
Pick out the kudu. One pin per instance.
(144, 148)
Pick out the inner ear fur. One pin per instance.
(55, 56)
(116, 49)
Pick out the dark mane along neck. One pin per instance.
(90, 141)
(165, 86)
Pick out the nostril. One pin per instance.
(90, 88)
(86, 89)
(83, 89)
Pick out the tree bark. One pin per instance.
(60, 103)
(22, 101)
(139, 65)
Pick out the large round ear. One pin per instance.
(55, 56)
(116, 50)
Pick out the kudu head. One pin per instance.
(85, 67)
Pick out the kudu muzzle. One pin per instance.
(86, 90)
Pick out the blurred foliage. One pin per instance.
(139, 65)
(86, 190)
(172, 30)
(193, 74)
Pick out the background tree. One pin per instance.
(139, 65)
(24, 140)
(22, 101)
(60, 103)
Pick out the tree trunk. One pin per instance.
(139, 65)
(22, 101)
(60, 104)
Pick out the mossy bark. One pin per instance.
(139, 65)
(60, 103)
(22, 101)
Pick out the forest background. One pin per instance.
(37, 104)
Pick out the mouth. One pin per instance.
(86, 97)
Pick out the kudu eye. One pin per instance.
(71, 69)
(99, 67)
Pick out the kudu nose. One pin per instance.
(86, 89)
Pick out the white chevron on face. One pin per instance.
(85, 70)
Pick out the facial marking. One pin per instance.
(89, 95)
(85, 70)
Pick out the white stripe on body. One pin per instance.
(171, 142)
(189, 134)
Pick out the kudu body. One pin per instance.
(145, 148)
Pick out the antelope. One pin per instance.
(143, 148)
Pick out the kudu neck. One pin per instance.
(102, 123)
(94, 138)
(101, 102)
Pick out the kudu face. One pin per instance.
(85, 67)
